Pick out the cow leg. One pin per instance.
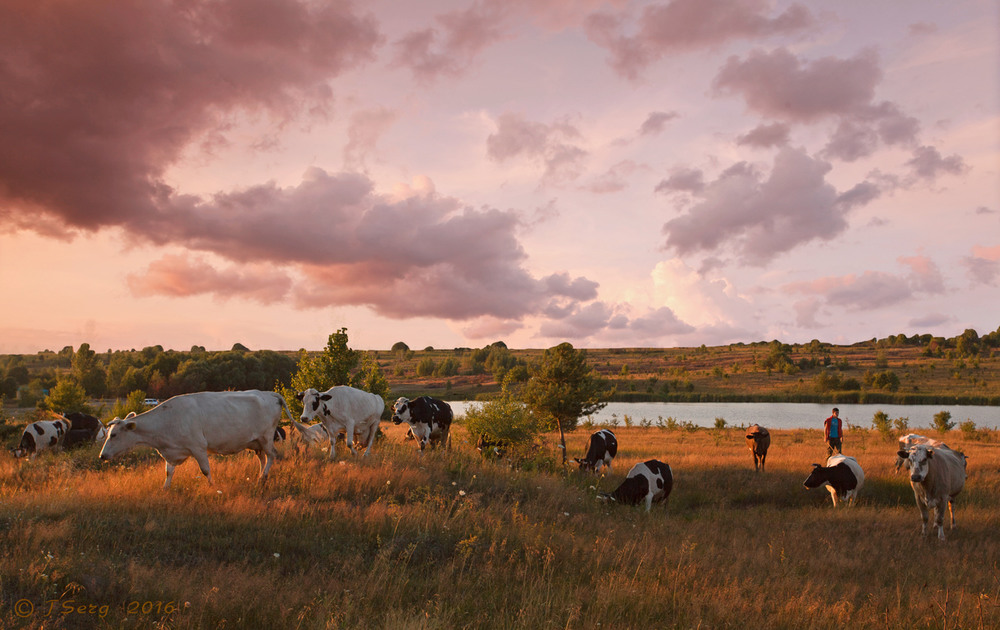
(202, 459)
(372, 432)
(266, 457)
(763, 458)
(951, 511)
(170, 475)
(939, 519)
(924, 516)
(333, 439)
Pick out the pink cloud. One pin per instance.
(656, 122)
(364, 132)
(181, 276)
(928, 164)
(615, 179)
(766, 136)
(686, 25)
(548, 144)
(983, 265)
(452, 47)
(100, 99)
(759, 218)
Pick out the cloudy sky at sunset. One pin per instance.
(451, 173)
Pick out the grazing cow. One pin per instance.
(342, 407)
(429, 419)
(41, 435)
(912, 439)
(842, 476)
(937, 475)
(308, 434)
(490, 448)
(651, 481)
(84, 429)
(758, 441)
(194, 425)
(601, 449)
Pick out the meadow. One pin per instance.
(452, 541)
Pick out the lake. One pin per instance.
(781, 415)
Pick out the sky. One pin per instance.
(615, 173)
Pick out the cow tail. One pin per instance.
(284, 405)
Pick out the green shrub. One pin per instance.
(942, 421)
(882, 424)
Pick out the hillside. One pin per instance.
(872, 371)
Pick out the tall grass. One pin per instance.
(450, 541)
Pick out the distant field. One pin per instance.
(448, 541)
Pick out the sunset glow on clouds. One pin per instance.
(450, 173)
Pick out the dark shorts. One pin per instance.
(834, 444)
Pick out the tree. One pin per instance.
(562, 389)
(67, 396)
(942, 421)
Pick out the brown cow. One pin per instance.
(758, 441)
(937, 475)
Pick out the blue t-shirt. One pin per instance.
(834, 422)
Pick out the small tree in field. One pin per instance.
(942, 421)
(882, 424)
(66, 397)
(503, 419)
(562, 389)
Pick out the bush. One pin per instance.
(882, 424)
(901, 424)
(942, 422)
(971, 433)
(502, 419)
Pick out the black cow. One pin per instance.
(490, 448)
(429, 419)
(758, 441)
(83, 429)
(601, 449)
(650, 480)
(842, 476)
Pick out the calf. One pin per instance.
(912, 439)
(601, 449)
(842, 476)
(937, 475)
(651, 481)
(42, 435)
(758, 441)
(309, 435)
(429, 419)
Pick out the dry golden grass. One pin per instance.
(448, 541)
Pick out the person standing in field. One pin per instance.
(833, 432)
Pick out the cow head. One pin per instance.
(585, 465)
(817, 477)
(122, 436)
(401, 410)
(312, 402)
(919, 458)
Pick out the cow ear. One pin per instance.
(902, 454)
(325, 397)
(131, 414)
(129, 426)
(930, 453)
(299, 395)
(816, 466)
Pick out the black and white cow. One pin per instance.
(842, 476)
(650, 481)
(429, 419)
(42, 435)
(355, 411)
(601, 450)
(937, 475)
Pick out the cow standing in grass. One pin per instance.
(344, 408)
(650, 481)
(428, 418)
(194, 425)
(842, 476)
(937, 475)
(42, 435)
(758, 441)
(601, 450)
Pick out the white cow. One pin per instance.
(912, 439)
(937, 475)
(342, 407)
(309, 434)
(194, 425)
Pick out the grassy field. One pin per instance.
(450, 541)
